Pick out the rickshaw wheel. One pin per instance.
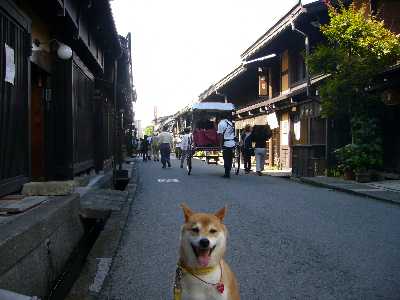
(237, 160)
(189, 164)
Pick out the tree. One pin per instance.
(149, 130)
(359, 47)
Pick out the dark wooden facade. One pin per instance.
(60, 119)
(14, 100)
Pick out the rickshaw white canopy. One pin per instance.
(213, 106)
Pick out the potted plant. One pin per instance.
(345, 156)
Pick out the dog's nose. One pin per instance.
(204, 243)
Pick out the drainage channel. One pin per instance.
(76, 261)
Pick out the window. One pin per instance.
(298, 68)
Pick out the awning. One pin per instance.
(258, 120)
(213, 106)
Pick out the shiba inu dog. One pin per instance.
(202, 273)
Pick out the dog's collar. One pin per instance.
(198, 271)
(179, 273)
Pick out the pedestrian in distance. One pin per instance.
(145, 148)
(247, 148)
(260, 135)
(185, 145)
(165, 140)
(155, 148)
(149, 142)
(226, 134)
(140, 152)
(178, 149)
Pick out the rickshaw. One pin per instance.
(204, 142)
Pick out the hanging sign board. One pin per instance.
(272, 121)
(10, 64)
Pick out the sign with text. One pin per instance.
(10, 64)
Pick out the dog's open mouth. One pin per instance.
(203, 255)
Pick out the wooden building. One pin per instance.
(271, 86)
(58, 117)
(388, 86)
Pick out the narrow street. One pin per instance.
(287, 240)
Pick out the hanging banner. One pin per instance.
(10, 65)
(272, 121)
(260, 120)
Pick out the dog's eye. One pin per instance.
(195, 230)
(213, 231)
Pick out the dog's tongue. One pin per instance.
(204, 259)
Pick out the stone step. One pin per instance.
(18, 206)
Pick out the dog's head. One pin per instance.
(203, 238)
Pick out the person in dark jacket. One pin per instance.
(260, 135)
(145, 148)
(247, 149)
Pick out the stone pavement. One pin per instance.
(388, 190)
(287, 240)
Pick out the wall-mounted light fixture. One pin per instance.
(64, 52)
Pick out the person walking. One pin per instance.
(149, 143)
(178, 149)
(260, 135)
(226, 133)
(155, 148)
(165, 140)
(145, 148)
(247, 148)
(185, 143)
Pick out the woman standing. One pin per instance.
(260, 135)
(247, 149)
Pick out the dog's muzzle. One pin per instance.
(203, 252)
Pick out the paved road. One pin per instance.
(287, 240)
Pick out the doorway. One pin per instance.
(40, 81)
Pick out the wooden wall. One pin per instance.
(14, 100)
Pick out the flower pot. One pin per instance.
(348, 174)
(363, 177)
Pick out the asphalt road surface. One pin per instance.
(287, 240)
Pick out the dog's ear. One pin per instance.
(220, 214)
(187, 212)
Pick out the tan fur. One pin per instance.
(195, 289)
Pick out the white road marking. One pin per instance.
(103, 266)
(168, 180)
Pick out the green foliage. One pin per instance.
(366, 151)
(149, 130)
(359, 47)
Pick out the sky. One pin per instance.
(181, 47)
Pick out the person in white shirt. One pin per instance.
(185, 143)
(155, 148)
(165, 140)
(226, 133)
(178, 150)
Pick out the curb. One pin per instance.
(100, 259)
(340, 189)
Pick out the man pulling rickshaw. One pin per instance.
(213, 131)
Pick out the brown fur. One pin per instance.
(209, 221)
